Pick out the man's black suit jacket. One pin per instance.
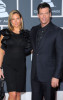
(47, 59)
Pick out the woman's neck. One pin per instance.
(16, 30)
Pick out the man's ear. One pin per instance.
(50, 14)
(38, 15)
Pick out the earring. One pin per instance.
(10, 23)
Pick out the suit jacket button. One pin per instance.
(37, 54)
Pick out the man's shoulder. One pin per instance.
(55, 27)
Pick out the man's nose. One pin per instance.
(44, 15)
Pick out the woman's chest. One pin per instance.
(16, 41)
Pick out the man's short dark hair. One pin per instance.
(43, 5)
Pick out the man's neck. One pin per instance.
(43, 25)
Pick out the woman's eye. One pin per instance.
(13, 19)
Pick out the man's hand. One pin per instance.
(54, 82)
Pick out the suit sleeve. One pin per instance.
(59, 55)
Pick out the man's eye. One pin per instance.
(44, 13)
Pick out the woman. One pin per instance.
(14, 46)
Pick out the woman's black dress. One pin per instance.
(14, 62)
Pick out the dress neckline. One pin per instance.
(15, 33)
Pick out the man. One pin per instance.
(47, 43)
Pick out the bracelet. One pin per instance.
(0, 67)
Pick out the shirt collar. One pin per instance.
(46, 27)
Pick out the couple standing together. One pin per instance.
(46, 41)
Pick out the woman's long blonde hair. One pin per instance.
(10, 18)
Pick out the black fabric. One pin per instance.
(41, 32)
(14, 62)
(47, 59)
(42, 90)
(2, 92)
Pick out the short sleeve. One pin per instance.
(6, 34)
(3, 44)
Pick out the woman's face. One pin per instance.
(16, 20)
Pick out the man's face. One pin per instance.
(44, 16)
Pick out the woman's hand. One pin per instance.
(1, 73)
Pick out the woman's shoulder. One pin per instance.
(5, 32)
(5, 35)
